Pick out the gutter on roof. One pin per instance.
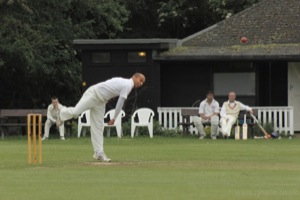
(229, 58)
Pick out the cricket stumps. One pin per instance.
(34, 128)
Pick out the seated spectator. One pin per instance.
(229, 113)
(53, 118)
(208, 112)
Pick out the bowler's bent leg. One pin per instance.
(87, 101)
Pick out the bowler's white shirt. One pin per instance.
(209, 109)
(115, 87)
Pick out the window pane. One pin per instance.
(137, 56)
(240, 83)
(101, 57)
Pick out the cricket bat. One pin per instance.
(237, 131)
(245, 129)
(267, 136)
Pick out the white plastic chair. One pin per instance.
(117, 124)
(145, 117)
(83, 124)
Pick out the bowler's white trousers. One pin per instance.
(90, 100)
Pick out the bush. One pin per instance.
(157, 130)
(269, 127)
(171, 132)
(126, 127)
(74, 129)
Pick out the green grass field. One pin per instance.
(158, 168)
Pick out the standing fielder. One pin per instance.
(95, 99)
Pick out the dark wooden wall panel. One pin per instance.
(119, 67)
(273, 83)
(183, 84)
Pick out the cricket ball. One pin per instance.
(243, 39)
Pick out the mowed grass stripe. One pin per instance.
(158, 168)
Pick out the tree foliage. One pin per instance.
(226, 8)
(184, 17)
(37, 59)
(167, 18)
(177, 18)
(142, 21)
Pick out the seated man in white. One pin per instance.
(230, 112)
(208, 112)
(52, 118)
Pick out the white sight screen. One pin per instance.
(240, 83)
